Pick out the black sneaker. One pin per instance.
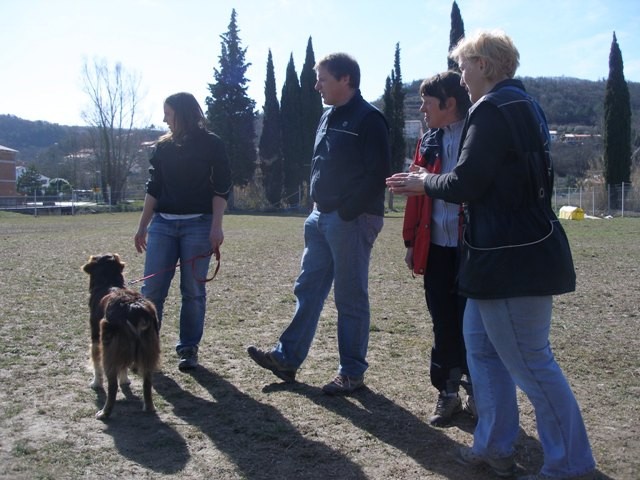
(343, 385)
(188, 359)
(446, 408)
(268, 361)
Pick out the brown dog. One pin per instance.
(124, 331)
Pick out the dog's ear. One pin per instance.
(88, 267)
(120, 262)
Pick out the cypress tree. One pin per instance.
(270, 148)
(393, 109)
(398, 143)
(291, 131)
(455, 34)
(230, 111)
(617, 125)
(387, 98)
(311, 107)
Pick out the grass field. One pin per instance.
(233, 420)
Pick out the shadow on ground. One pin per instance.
(142, 437)
(257, 438)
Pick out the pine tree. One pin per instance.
(455, 34)
(270, 147)
(311, 107)
(617, 125)
(30, 182)
(291, 123)
(231, 113)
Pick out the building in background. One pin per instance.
(7, 172)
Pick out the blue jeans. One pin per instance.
(507, 344)
(168, 242)
(335, 252)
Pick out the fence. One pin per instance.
(599, 200)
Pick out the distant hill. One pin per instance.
(30, 138)
(19, 134)
(567, 102)
(571, 105)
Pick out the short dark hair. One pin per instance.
(340, 65)
(446, 85)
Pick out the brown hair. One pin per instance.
(188, 115)
(446, 85)
(340, 65)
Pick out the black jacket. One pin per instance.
(513, 244)
(351, 160)
(185, 177)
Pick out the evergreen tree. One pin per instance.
(387, 98)
(311, 106)
(30, 182)
(270, 146)
(396, 122)
(393, 109)
(455, 34)
(291, 123)
(617, 125)
(230, 112)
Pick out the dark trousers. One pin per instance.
(448, 354)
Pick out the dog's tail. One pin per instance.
(140, 318)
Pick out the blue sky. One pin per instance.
(174, 45)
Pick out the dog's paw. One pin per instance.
(149, 408)
(96, 384)
(123, 379)
(102, 415)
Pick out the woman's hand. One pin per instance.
(216, 236)
(140, 239)
(408, 183)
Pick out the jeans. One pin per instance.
(335, 252)
(507, 344)
(168, 242)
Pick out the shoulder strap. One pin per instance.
(537, 111)
(539, 159)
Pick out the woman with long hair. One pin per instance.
(181, 220)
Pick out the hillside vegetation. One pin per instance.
(571, 105)
(567, 102)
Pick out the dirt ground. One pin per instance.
(232, 420)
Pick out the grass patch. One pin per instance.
(233, 420)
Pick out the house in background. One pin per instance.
(7, 172)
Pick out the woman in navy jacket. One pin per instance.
(515, 257)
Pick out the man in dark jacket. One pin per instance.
(351, 160)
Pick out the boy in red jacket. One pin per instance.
(430, 233)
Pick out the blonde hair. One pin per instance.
(495, 47)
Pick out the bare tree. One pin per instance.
(113, 112)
